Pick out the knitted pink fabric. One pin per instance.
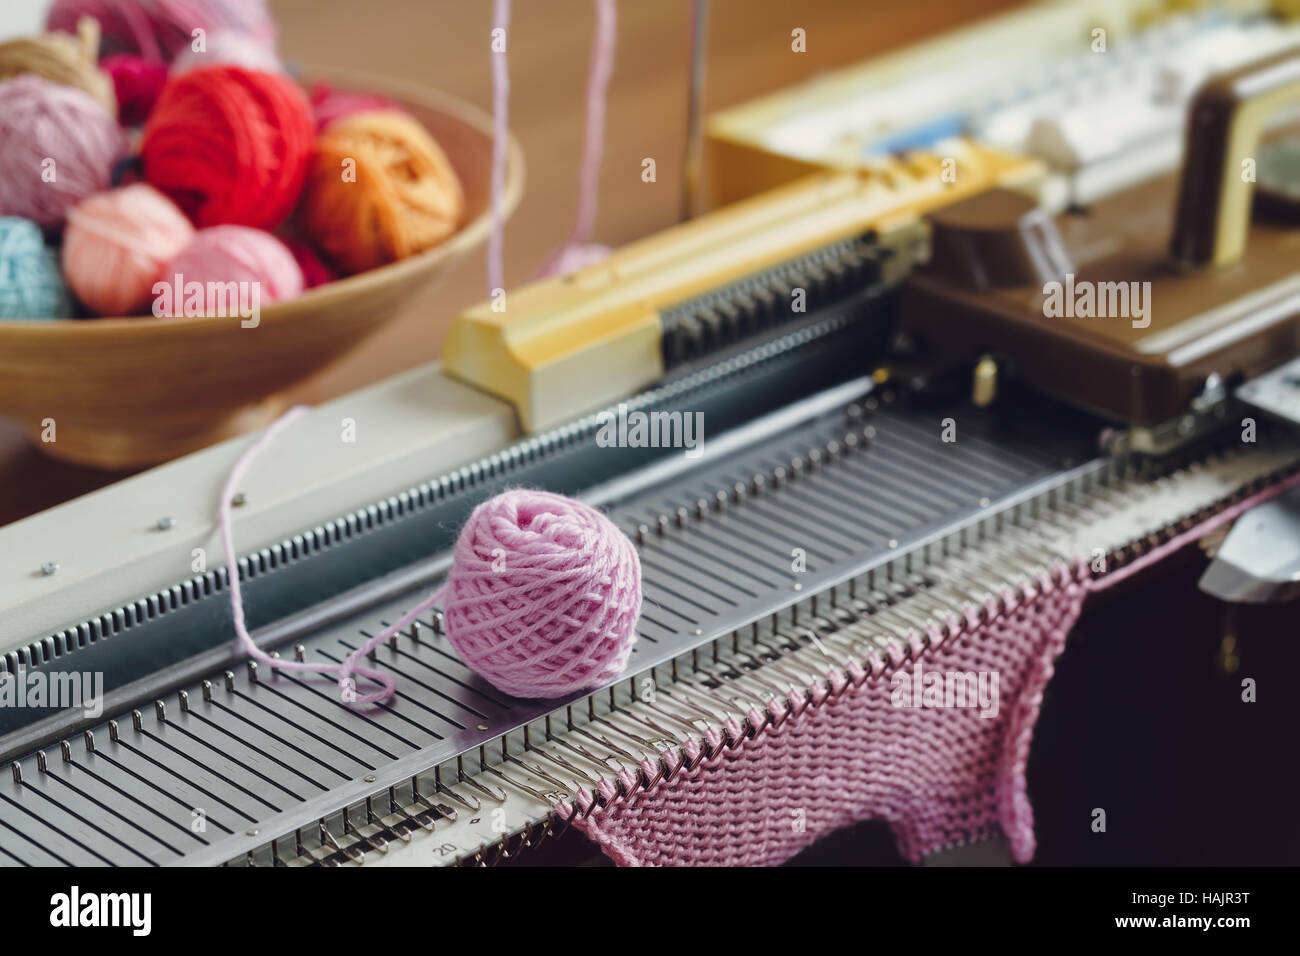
(938, 776)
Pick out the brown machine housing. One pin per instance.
(1224, 293)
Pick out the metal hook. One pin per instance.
(427, 826)
(564, 764)
(685, 700)
(537, 771)
(814, 640)
(757, 677)
(663, 732)
(470, 804)
(604, 742)
(550, 828)
(522, 786)
(351, 852)
(626, 733)
(731, 679)
(481, 788)
(439, 808)
(791, 669)
(580, 750)
(727, 706)
(873, 616)
(671, 716)
(938, 603)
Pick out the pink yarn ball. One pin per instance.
(137, 82)
(543, 595)
(117, 244)
(57, 146)
(231, 48)
(329, 104)
(159, 29)
(238, 254)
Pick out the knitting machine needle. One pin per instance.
(670, 715)
(439, 808)
(540, 773)
(426, 825)
(351, 852)
(471, 782)
(647, 722)
(567, 764)
(469, 803)
(626, 733)
(523, 786)
(562, 764)
(707, 718)
(757, 677)
(605, 742)
(578, 749)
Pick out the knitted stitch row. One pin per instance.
(846, 753)
(759, 792)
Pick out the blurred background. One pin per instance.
(443, 44)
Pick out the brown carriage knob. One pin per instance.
(995, 239)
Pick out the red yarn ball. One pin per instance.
(137, 82)
(230, 145)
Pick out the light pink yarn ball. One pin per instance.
(232, 48)
(117, 244)
(543, 596)
(238, 254)
(57, 146)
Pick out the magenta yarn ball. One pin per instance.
(239, 254)
(543, 595)
(314, 271)
(137, 82)
(57, 146)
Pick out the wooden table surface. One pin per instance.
(443, 43)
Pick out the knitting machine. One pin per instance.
(897, 436)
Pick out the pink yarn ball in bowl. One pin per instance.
(57, 146)
(117, 244)
(543, 596)
(159, 29)
(229, 47)
(240, 254)
(329, 104)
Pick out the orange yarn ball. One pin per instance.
(380, 189)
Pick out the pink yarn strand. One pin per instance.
(500, 130)
(542, 598)
(574, 253)
(345, 670)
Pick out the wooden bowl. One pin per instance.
(129, 392)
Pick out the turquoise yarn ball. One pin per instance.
(31, 285)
